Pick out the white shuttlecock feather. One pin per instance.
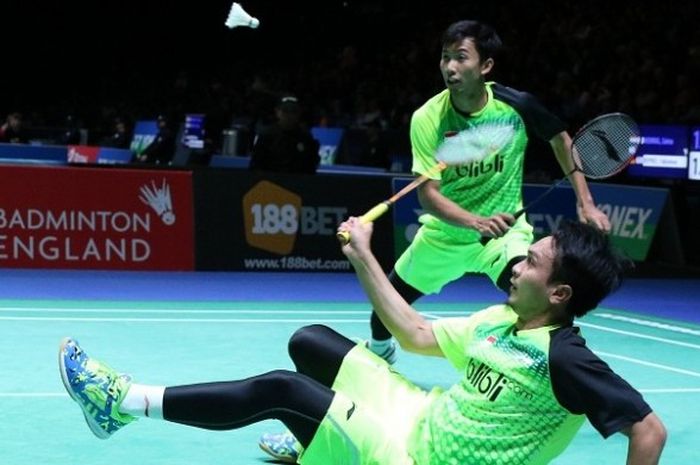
(237, 16)
(474, 144)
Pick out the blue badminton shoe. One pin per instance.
(97, 389)
(282, 446)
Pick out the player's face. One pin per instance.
(530, 292)
(461, 66)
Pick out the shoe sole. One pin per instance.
(281, 458)
(92, 424)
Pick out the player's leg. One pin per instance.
(371, 416)
(346, 367)
(110, 400)
(318, 352)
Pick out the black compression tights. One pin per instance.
(299, 399)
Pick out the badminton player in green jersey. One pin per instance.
(465, 203)
(526, 379)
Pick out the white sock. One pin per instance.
(380, 345)
(144, 401)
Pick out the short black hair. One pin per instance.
(586, 261)
(486, 40)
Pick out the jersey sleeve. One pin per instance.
(585, 384)
(452, 335)
(538, 120)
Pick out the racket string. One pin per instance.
(606, 145)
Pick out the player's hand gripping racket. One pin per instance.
(465, 147)
(601, 148)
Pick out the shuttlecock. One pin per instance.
(238, 17)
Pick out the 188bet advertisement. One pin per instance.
(283, 222)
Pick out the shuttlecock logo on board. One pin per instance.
(271, 217)
(160, 200)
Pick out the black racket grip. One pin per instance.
(485, 240)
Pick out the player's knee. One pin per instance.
(305, 339)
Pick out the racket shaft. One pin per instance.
(381, 208)
(418, 181)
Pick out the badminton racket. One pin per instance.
(462, 148)
(603, 147)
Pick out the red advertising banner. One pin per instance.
(91, 218)
(82, 154)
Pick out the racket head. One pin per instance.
(605, 145)
(474, 143)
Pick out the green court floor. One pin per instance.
(173, 342)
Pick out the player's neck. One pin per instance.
(540, 320)
(470, 102)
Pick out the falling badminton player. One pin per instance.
(525, 381)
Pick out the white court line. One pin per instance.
(649, 364)
(639, 335)
(181, 311)
(303, 321)
(669, 390)
(649, 323)
(181, 320)
(612, 330)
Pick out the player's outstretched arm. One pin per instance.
(646, 441)
(413, 332)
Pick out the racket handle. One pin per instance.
(485, 240)
(371, 215)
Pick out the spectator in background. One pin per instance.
(287, 146)
(162, 149)
(120, 137)
(377, 151)
(12, 130)
(71, 132)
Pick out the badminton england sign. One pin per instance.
(95, 219)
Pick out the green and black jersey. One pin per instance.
(493, 185)
(522, 396)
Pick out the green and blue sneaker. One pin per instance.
(387, 350)
(97, 388)
(282, 446)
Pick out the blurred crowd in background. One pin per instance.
(362, 64)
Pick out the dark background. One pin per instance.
(94, 61)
